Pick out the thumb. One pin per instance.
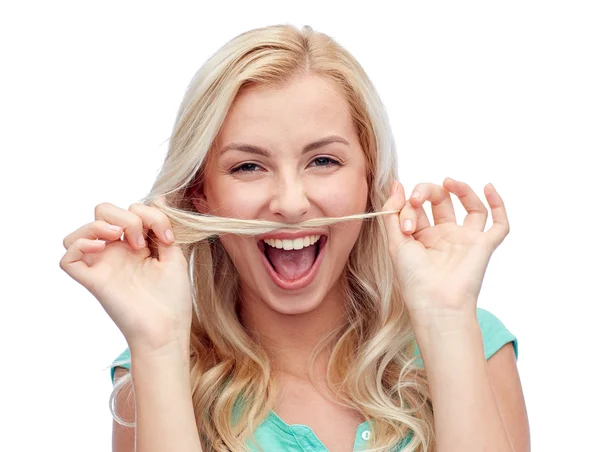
(396, 201)
(406, 252)
(170, 251)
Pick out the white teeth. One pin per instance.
(296, 244)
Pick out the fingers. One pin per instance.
(396, 201)
(96, 230)
(442, 208)
(133, 228)
(135, 221)
(477, 212)
(413, 219)
(393, 222)
(73, 263)
(500, 227)
(112, 222)
(153, 219)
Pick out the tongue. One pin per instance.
(292, 264)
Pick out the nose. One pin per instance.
(289, 201)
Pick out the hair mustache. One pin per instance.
(194, 227)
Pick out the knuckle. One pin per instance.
(81, 242)
(98, 224)
(137, 222)
(163, 219)
(102, 207)
(154, 217)
(135, 207)
(167, 224)
(134, 216)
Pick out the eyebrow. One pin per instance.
(264, 152)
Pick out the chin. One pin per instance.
(288, 304)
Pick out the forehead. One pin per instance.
(304, 109)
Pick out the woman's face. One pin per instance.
(288, 154)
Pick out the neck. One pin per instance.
(289, 340)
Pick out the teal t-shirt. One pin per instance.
(274, 434)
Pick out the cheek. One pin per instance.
(236, 199)
(233, 247)
(342, 196)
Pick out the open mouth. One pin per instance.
(293, 264)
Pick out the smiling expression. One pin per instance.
(288, 154)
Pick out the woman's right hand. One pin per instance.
(149, 299)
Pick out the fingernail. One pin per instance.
(416, 194)
(407, 225)
(113, 227)
(394, 187)
(169, 235)
(141, 241)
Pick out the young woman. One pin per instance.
(268, 294)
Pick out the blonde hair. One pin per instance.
(372, 366)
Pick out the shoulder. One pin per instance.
(505, 379)
(495, 335)
(123, 361)
(123, 436)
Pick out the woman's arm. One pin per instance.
(123, 438)
(504, 374)
(165, 418)
(467, 415)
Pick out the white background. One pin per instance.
(506, 93)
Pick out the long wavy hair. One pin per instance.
(372, 368)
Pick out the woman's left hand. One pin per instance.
(440, 268)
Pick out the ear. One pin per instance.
(196, 194)
(200, 203)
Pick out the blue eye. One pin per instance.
(321, 162)
(324, 161)
(245, 168)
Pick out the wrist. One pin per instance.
(442, 321)
(156, 349)
(443, 337)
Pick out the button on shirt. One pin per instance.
(276, 435)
